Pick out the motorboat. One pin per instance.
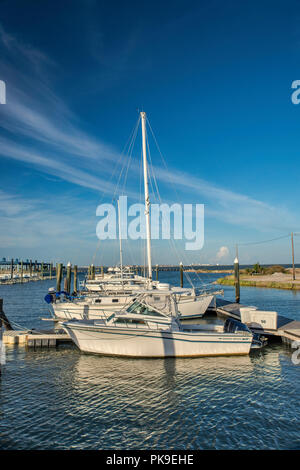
(151, 327)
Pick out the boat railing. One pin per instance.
(208, 290)
(152, 326)
(100, 316)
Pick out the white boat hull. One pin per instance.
(187, 307)
(153, 343)
(194, 308)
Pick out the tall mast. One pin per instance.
(147, 202)
(120, 240)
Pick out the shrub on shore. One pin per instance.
(258, 269)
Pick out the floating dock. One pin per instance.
(286, 328)
(45, 339)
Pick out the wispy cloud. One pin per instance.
(229, 206)
(57, 167)
(36, 112)
(51, 135)
(40, 130)
(33, 224)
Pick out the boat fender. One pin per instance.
(48, 298)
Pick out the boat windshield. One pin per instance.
(232, 326)
(141, 309)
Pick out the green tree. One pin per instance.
(257, 268)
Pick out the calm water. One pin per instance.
(60, 399)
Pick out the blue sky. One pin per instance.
(215, 80)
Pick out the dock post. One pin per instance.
(156, 269)
(237, 280)
(50, 270)
(58, 276)
(181, 274)
(69, 274)
(21, 271)
(30, 269)
(293, 256)
(42, 270)
(92, 272)
(75, 279)
(102, 272)
(3, 318)
(12, 269)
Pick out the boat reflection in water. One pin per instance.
(87, 401)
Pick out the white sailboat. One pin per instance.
(116, 289)
(150, 326)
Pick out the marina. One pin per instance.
(150, 230)
(63, 388)
(286, 329)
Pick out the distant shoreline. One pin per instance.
(274, 281)
(217, 271)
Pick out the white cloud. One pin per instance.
(223, 253)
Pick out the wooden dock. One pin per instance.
(45, 339)
(286, 328)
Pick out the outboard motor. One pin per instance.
(232, 326)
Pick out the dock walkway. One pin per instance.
(287, 328)
(44, 339)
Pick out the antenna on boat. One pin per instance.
(146, 188)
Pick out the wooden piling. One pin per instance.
(58, 276)
(237, 280)
(181, 274)
(12, 269)
(69, 275)
(156, 269)
(30, 268)
(75, 279)
(102, 272)
(4, 319)
(50, 270)
(21, 271)
(293, 256)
